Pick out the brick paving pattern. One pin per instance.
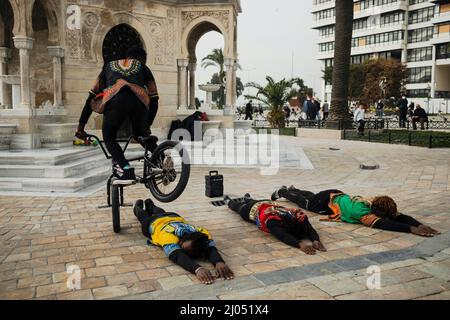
(41, 237)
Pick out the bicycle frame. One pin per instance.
(127, 142)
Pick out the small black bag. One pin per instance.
(214, 185)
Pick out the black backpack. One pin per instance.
(173, 127)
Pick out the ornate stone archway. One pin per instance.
(195, 24)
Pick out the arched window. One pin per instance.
(118, 40)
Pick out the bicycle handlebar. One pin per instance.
(91, 137)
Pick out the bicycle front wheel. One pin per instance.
(168, 170)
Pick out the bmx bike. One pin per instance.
(165, 173)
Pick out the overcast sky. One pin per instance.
(268, 33)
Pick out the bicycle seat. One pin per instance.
(148, 140)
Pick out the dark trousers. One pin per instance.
(248, 116)
(123, 105)
(146, 217)
(242, 208)
(402, 119)
(325, 115)
(361, 126)
(307, 200)
(421, 120)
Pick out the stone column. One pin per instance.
(229, 63)
(192, 69)
(5, 89)
(57, 53)
(182, 83)
(235, 68)
(433, 74)
(24, 44)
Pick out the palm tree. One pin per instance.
(275, 95)
(341, 70)
(217, 59)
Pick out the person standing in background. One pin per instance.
(325, 110)
(359, 117)
(249, 111)
(403, 111)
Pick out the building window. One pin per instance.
(421, 15)
(326, 47)
(392, 36)
(420, 35)
(419, 75)
(412, 2)
(420, 54)
(443, 51)
(319, 2)
(418, 93)
(326, 31)
(392, 18)
(325, 14)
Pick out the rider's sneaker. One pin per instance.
(247, 197)
(127, 178)
(277, 194)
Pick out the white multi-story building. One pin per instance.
(417, 32)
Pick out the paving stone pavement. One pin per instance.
(41, 237)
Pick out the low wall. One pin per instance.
(319, 133)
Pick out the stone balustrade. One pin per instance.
(57, 134)
(6, 131)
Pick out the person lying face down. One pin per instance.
(289, 225)
(181, 242)
(379, 212)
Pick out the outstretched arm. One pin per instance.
(276, 228)
(391, 225)
(87, 110)
(86, 113)
(399, 224)
(184, 261)
(314, 236)
(222, 269)
(402, 218)
(152, 90)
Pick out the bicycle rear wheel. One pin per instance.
(169, 169)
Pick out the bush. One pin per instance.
(413, 138)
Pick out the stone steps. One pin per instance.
(44, 172)
(57, 185)
(71, 169)
(50, 157)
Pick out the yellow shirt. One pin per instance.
(167, 231)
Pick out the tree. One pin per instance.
(342, 51)
(275, 95)
(303, 90)
(219, 96)
(393, 72)
(365, 78)
(217, 59)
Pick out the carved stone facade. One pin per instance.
(66, 39)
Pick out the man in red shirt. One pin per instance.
(289, 225)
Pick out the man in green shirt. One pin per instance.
(379, 212)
